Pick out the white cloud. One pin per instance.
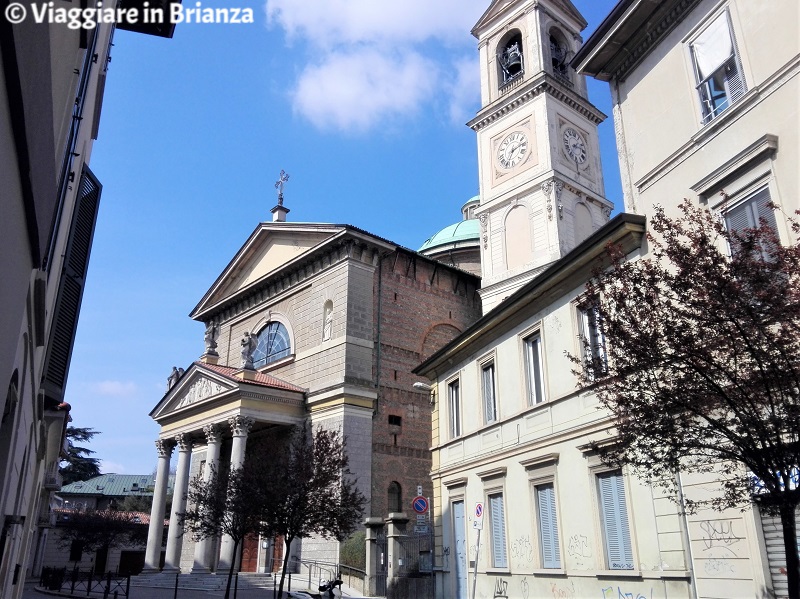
(328, 23)
(352, 91)
(113, 388)
(371, 61)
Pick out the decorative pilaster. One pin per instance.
(202, 549)
(175, 538)
(155, 533)
(240, 427)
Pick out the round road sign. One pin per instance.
(420, 504)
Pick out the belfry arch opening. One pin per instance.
(510, 57)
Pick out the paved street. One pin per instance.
(148, 593)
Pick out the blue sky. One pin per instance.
(362, 102)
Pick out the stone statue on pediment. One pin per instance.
(173, 378)
(249, 342)
(210, 338)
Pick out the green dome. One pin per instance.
(462, 231)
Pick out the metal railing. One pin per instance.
(85, 583)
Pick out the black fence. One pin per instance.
(85, 583)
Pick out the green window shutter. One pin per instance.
(70, 286)
(615, 521)
(497, 514)
(548, 526)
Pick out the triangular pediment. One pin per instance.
(500, 9)
(270, 247)
(194, 388)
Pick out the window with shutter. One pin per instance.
(454, 409)
(533, 369)
(548, 526)
(70, 286)
(497, 516)
(592, 336)
(751, 213)
(489, 396)
(616, 530)
(717, 67)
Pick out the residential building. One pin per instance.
(51, 93)
(316, 323)
(724, 76)
(705, 107)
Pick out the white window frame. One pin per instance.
(716, 66)
(454, 407)
(534, 389)
(491, 412)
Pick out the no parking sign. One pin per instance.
(477, 521)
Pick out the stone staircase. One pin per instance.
(200, 582)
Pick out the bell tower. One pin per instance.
(541, 183)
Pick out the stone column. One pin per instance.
(240, 427)
(155, 533)
(375, 556)
(175, 538)
(202, 550)
(395, 528)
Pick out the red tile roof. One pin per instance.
(261, 379)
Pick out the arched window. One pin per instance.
(559, 55)
(273, 344)
(510, 58)
(395, 499)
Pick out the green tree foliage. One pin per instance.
(354, 551)
(78, 464)
(702, 363)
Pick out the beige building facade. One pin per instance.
(51, 91)
(705, 107)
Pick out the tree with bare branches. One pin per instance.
(700, 364)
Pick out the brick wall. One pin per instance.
(423, 306)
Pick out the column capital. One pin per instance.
(240, 425)
(184, 442)
(213, 433)
(164, 447)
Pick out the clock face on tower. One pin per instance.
(512, 149)
(574, 145)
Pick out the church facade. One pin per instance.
(320, 323)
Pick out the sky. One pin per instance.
(362, 102)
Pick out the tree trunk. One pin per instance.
(790, 548)
(230, 572)
(286, 554)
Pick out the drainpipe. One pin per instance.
(686, 539)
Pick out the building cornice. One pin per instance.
(543, 83)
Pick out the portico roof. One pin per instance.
(212, 393)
